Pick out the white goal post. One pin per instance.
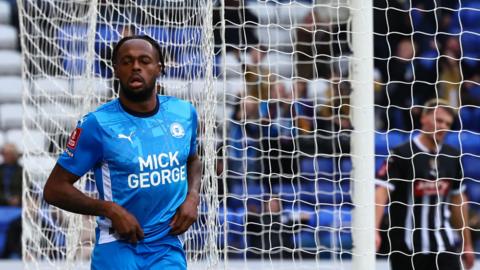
(363, 145)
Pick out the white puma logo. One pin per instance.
(129, 137)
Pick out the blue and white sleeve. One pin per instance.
(84, 148)
(193, 139)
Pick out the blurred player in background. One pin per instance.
(422, 179)
(142, 149)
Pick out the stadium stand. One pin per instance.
(333, 175)
(11, 112)
(11, 116)
(10, 89)
(8, 37)
(5, 13)
(11, 63)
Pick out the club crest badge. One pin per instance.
(177, 130)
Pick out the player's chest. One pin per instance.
(430, 176)
(432, 167)
(155, 144)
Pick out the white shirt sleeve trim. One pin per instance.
(384, 184)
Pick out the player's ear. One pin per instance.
(116, 71)
(114, 65)
(160, 69)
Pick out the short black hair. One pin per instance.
(142, 37)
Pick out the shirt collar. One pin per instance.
(422, 147)
(141, 114)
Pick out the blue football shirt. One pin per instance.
(139, 161)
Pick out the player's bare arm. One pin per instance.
(60, 191)
(187, 213)
(381, 199)
(460, 221)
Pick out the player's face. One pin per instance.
(9, 154)
(137, 68)
(437, 122)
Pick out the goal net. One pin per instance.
(288, 69)
(300, 102)
(67, 46)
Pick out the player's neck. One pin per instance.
(144, 108)
(428, 142)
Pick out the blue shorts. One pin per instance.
(121, 255)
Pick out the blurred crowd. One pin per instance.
(424, 50)
(281, 127)
(11, 176)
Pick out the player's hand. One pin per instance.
(186, 214)
(468, 257)
(124, 223)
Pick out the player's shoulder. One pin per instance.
(176, 105)
(450, 150)
(93, 118)
(87, 120)
(403, 150)
(111, 106)
(107, 111)
(174, 101)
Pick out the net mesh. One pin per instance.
(272, 81)
(67, 47)
(423, 52)
(286, 145)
